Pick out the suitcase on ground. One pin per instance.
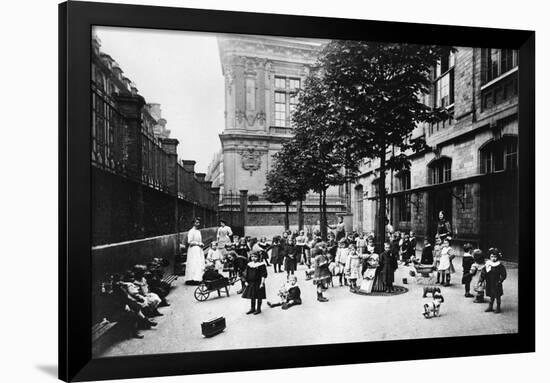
(213, 327)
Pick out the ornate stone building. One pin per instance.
(262, 76)
(470, 168)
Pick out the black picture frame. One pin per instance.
(75, 352)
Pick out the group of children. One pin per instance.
(135, 296)
(485, 277)
(354, 261)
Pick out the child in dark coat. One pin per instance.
(467, 262)
(388, 265)
(427, 257)
(254, 276)
(291, 257)
(493, 275)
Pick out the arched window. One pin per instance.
(440, 170)
(500, 155)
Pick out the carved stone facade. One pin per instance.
(257, 69)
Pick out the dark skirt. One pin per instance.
(254, 291)
(322, 274)
(290, 264)
(274, 255)
(378, 284)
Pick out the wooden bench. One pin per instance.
(102, 336)
(169, 279)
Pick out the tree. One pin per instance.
(373, 93)
(316, 158)
(284, 183)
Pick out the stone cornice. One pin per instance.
(302, 51)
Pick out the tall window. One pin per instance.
(294, 84)
(280, 82)
(404, 207)
(280, 108)
(498, 62)
(444, 94)
(403, 180)
(440, 171)
(500, 155)
(286, 99)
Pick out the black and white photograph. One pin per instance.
(275, 191)
(257, 191)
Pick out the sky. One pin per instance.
(182, 72)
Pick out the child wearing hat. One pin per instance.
(493, 275)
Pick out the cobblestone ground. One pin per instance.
(347, 317)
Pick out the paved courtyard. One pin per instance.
(345, 318)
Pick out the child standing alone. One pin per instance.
(493, 275)
(254, 276)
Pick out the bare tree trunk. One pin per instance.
(322, 222)
(324, 208)
(299, 205)
(286, 216)
(381, 232)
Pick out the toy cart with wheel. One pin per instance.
(202, 292)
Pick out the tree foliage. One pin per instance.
(363, 98)
(375, 94)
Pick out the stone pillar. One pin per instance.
(300, 209)
(170, 146)
(129, 107)
(215, 202)
(244, 206)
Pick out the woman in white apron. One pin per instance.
(194, 267)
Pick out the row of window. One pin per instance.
(494, 63)
(497, 156)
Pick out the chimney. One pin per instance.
(200, 176)
(170, 145)
(188, 165)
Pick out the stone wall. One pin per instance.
(119, 257)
